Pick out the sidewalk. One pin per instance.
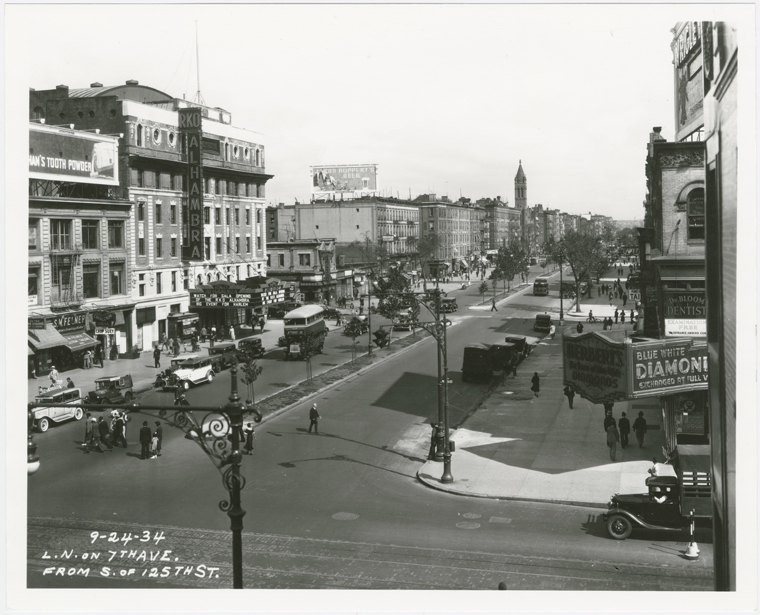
(517, 446)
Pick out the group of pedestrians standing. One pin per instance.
(103, 435)
(150, 441)
(91, 358)
(618, 432)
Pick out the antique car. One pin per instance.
(191, 372)
(277, 312)
(112, 390)
(521, 342)
(477, 363)
(543, 323)
(449, 305)
(667, 505)
(505, 356)
(250, 345)
(42, 417)
(403, 321)
(162, 378)
(224, 355)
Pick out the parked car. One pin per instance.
(477, 363)
(543, 323)
(224, 355)
(162, 378)
(112, 390)
(43, 417)
(251, 344)
(521, 343)
(449, 305)
(505, 356)
(191, 372)
(403, 321)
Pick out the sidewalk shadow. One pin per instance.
(292, 464)
(303, 430)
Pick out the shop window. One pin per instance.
(159, 282)
(696, 214)
(158, 215)
(91, 281)
(159, 247)
(60, 234)
(174, 281)
(34, 278)
(218, 246)
(34, 234)
(206, 215)
(173, 245)
(173, 214)
(218, 216)
(247, 245)
(117, 278)
(141, 247)
(304, 260)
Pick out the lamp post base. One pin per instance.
(447, 477)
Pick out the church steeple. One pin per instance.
(521, 188)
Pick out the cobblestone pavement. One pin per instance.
(167, 556)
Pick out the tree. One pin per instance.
(483, 289)
(353, 329)
(584, 253)
(311, 344)
(251, 371)
(511, 260)
(426, 248)
(373, 254)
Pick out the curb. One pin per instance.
(511, 498)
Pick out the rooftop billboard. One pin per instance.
(59, 154)
(345, 180)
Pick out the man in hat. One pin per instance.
(145, 437)
(314, 419)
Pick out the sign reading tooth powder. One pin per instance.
(595, 367)
(190, 125)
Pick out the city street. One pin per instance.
(342, 508)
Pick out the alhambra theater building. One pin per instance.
(78, 297)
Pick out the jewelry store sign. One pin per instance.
(663, 367)
(595, 366)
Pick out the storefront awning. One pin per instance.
(46, 338)
(119, 318)
(687, 272)
(79, 341)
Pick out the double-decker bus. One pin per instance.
(307, 319)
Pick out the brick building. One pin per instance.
(152, 173)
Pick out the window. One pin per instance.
(227, 216)
(207, 247)
(237, 245)
(140, 178)
(231, 188)
(218, 216)
(117, 278)
(60, 234)
(304, 260)
(186, 280)
(206, 215)
(159, 282)
(237, 272)
(696, 214)
(173, 214)
(218, 186)
(91, 281)
(141, 247)
(237, 216)
(157, 214)
(184, 215)
(281, 260)
(141, 285)
(174, 281)
(258, 216)
(139, 135)
(34, 274)
(247, 245)
(258, 243)
(269, 260)
(159, 247)
(173, 246)
(218, 246)
(34, 234)
(247, 217)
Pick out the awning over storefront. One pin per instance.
(46, 338)
(119, 318)
(79, 341)
(688, 272)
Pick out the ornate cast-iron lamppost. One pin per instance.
(218, 433)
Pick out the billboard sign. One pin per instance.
(190, 126)
(59, 154)
(689, 86)
(685, 314)
(595, 366)
(349, 179)
(663, 367)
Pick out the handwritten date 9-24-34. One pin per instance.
(127, 537)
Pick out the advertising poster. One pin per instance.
(352, 179)
(595, 367)
(663, 367)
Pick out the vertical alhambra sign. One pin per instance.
(190, 122)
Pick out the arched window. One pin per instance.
(218, 276)
(39, 113)
(139, 135)
(200, 280)
(695, 206)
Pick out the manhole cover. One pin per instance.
(471, 516)
(343, 516)
(468, 525)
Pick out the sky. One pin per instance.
(445, 99)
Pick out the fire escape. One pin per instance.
(64, 259)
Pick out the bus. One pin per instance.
(541, 286)
(307, 319)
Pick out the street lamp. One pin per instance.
(217, 433)
(561, 291)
